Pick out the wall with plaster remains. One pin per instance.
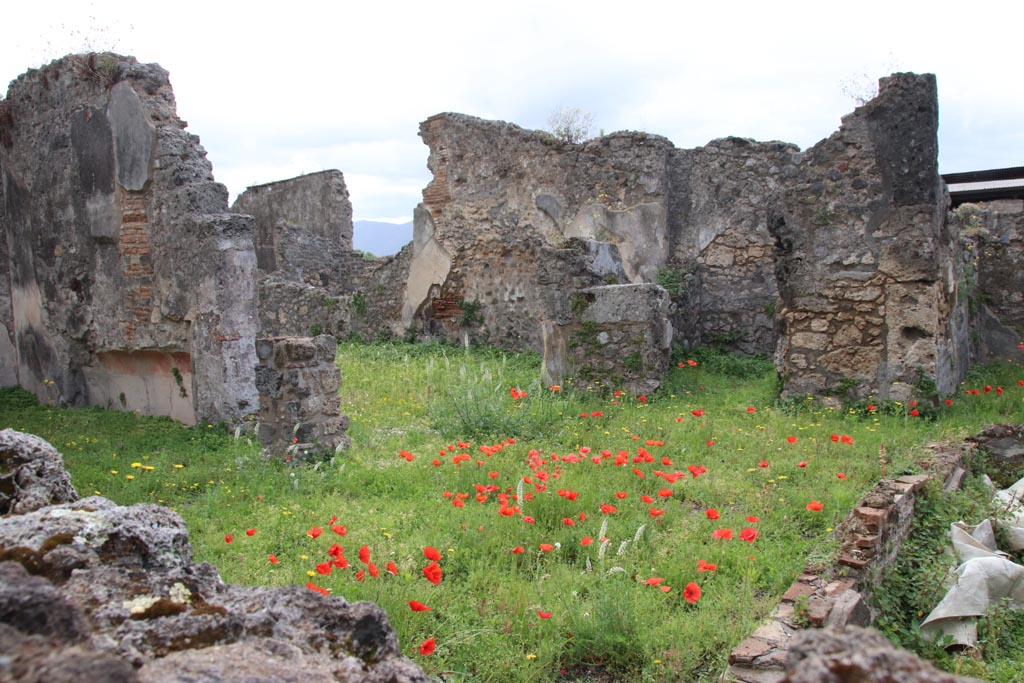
(131, 286)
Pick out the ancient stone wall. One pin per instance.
(317, 202)
(722, 251)
(311, 280)
(131, 285)
(298, 385)
(863, 255)
(618, 338)
(694, 221)
(991, 277)
(500, 219)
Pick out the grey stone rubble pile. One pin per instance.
(90, 590)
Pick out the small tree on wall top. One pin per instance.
(570, 124)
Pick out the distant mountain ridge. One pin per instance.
(380, 238)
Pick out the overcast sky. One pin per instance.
(276, 90)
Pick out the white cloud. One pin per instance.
(344, 85)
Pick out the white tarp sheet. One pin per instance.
(985, 576)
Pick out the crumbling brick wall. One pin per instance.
(131, 285)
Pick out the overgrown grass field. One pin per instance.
(553, 534)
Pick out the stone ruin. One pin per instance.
(126, 282)
(130, 284)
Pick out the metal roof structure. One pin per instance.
(985, 186)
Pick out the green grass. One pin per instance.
(429, 401)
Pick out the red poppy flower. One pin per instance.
(748, 535)
(725, 534)
(703, 566)
(528, 519)
(802, 463)
(751, 409)
(641, 399)
(360, 575)
(665, 493)
(586, 540)
(840, 475)
(568, 521)
(458, 503)
(815, 506)
(847, 439)
(656, 512)
(543, 615)
(653, 581)
(250, 532)
(699, 412)
(427, 647)
(417, 606)
(949, 402)
(314, 532)
(763, 464)
(324, 568)
(518, 550)
(712, 513)
(546, 547)
(339, 529)
(313, 587)
(431, 553)
(914, 413)
(691, 593)
(228, 538)
(608, 509)
(372, 570)
(433, 573)
(364, 554)
(753, 519)
(647, 499)
(273, 559)
(790, 439)
(638, 472)
(392, 568)
(621, 495)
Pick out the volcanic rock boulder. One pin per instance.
(857, 655)
(91, 590)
